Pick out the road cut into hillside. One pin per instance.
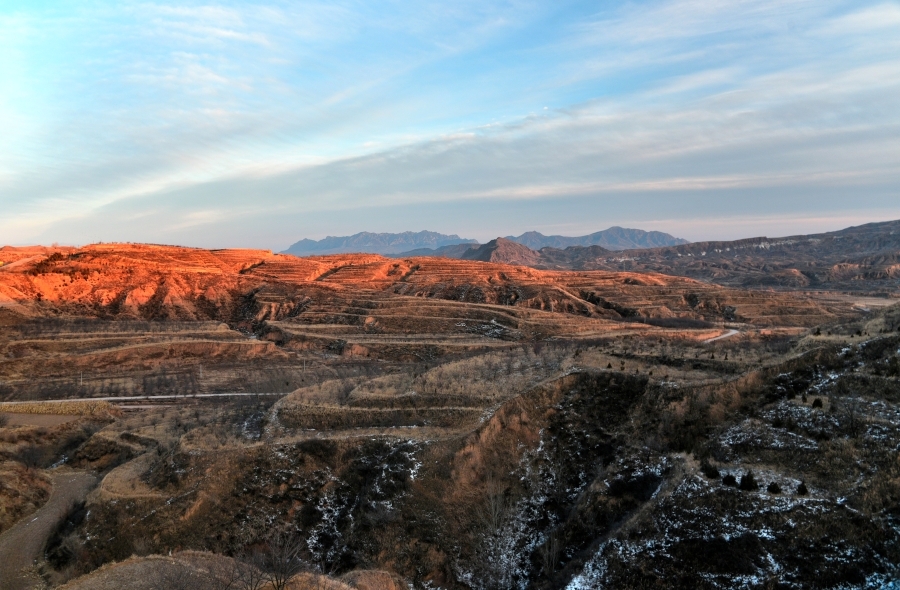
(23, 543)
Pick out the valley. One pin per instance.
(433, 422)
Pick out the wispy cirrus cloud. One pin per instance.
(260, 123)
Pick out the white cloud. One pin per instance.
(188, 120)
(866, 20)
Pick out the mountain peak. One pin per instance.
(614, 238)
(426, 243)
(504, 251)
(375, 243)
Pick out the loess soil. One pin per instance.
(438, 423)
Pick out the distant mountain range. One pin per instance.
(426, 243)
(614, 238)
(865, 257)
(376, 243)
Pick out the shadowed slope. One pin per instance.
(863, 258)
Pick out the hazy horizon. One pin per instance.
(257, 124)
(462, 236)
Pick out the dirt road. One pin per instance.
(727, 334)
(23, 543)
(138, 398)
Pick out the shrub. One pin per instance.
(774, 488)
(709, 471)
(748, 482)
(729, 480)
(32, 456)
(817, 403)
(801, 489)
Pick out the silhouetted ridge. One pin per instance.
(614, 238)
(451, 251)
(383, 243)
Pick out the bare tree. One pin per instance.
(855, 415)
(495, 510)
(549, 553)
(32, 456)
(226, 575)
(496, 550)
(253, 574)
(282, 558)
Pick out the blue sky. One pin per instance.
(257, 124)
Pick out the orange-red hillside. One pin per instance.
(165, 282)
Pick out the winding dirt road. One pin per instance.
(23, 543)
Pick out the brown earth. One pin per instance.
(127, 319)
(126, 281)
(439, 417)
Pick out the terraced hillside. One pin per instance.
(125, 319)
(630, 461)
(120, 281)
(443, 423)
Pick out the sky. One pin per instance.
(256, 124)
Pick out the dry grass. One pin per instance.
(491, 376)
(22, 491)
(194, 570)
(373, 580)
(318, 582)
(125, 481)
(98, 409)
